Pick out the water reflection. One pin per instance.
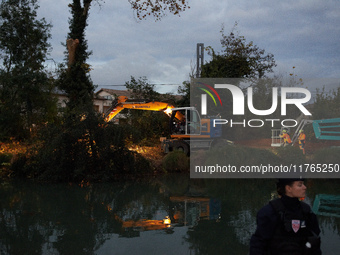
(169, 215)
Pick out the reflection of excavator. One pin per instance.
(188, 130)
(185, 211)
(188, 210)
(146, 224)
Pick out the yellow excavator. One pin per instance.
(188, 130)
(121, 103)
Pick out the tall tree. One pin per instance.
(327, 105)
(82, 146)
(142, 89)
(184, 91)
(25, 91)
(75, 81)
(238, 59)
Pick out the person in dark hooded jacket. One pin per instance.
(286, 226)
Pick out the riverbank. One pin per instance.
(9, 153)
(15, 160)
(13, 153)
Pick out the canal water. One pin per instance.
(167, 215)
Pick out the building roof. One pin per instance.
(115, 92)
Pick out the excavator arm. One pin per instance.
(325, 129)
(120, 104)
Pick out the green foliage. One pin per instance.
(77, 145)
(70, 150)
(86, 149)
(327, 105)
(327, 156)
(19, 169)
(5, 158)
(158, 8)
(23, 37)
(142, 89)
(238, 59)
(77, 26)
(75, 79)
(25, 88)
(149, 125)
(176, 161)
(224, 66)
(184, 91)
(290, 155)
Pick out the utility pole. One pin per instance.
(200, 59)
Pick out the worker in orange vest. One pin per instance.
(302, 141)
(286, 138)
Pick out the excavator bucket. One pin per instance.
(327, 129)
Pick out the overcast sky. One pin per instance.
(304, 34)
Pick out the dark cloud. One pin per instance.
(303, 34)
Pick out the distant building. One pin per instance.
(104, 97)
(62, 99)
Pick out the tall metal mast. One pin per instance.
(200, 59)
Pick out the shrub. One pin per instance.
(176, 161)
(326, 155)
(290, 155)
(19, 168)
(85, 151)
(5, 158)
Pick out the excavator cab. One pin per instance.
(185, 121)
(189, 131)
